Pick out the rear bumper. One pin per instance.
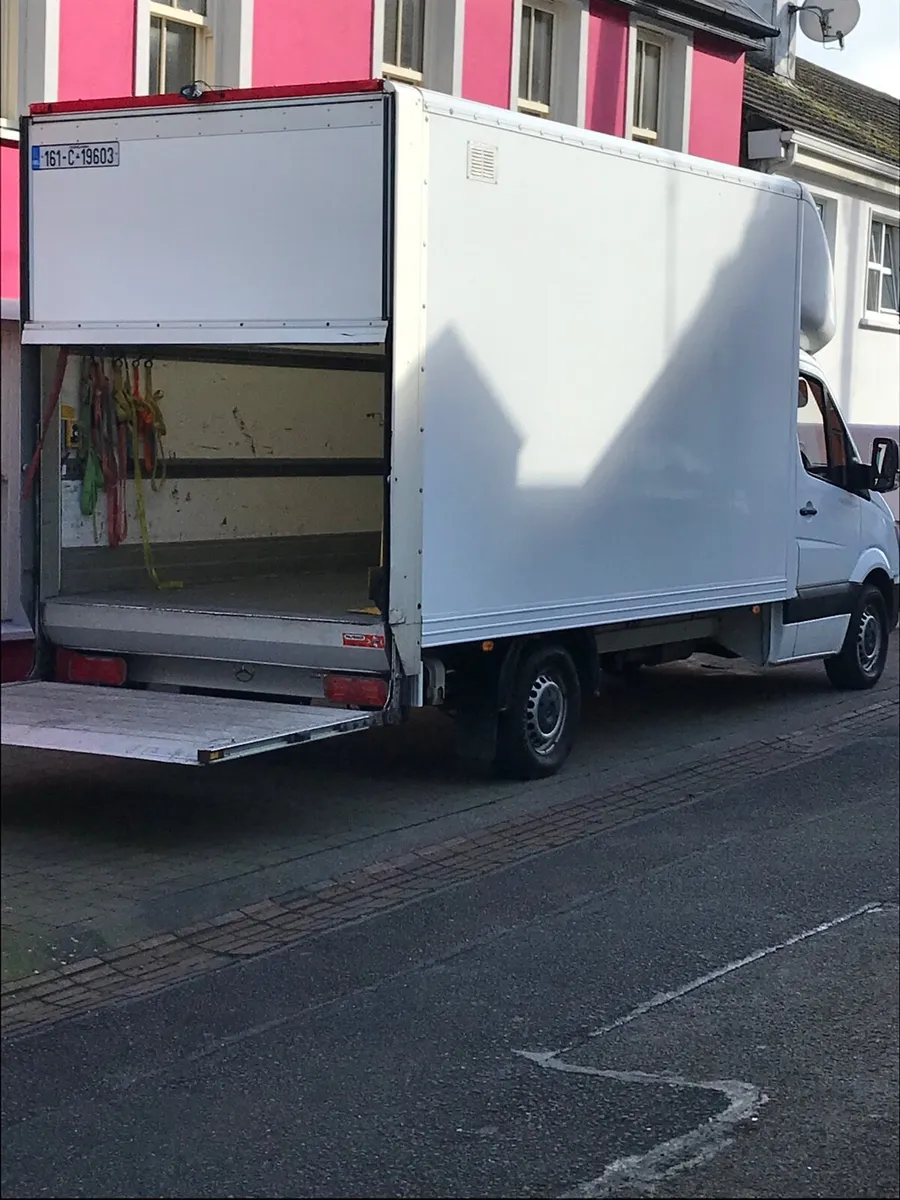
(183, 628)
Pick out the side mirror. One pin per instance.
(885, 465)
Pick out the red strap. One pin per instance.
(144, 420)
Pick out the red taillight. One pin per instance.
(72, 667)
(367, 692)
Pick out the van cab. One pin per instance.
(848, 554)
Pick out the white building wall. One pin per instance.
(863, 360)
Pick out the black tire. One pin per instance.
(864, 652)
(536, 730)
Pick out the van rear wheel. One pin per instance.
(537, 726)
(864, 652)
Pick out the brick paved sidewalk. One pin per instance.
(99, 854)
(152, 964)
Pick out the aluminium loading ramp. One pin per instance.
(164, 727)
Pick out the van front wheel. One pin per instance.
(864, 652)
(537, 726)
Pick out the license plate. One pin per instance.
(80, 154)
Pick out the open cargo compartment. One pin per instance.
(266, 319)
(265, 527)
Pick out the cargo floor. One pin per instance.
(305, 595)
(302, 619)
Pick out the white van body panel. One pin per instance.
(576, 433)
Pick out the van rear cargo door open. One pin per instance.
(235, 234)
(206, 223)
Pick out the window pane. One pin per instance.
(890, 293)
(542, 57)
(194, 6)
(155, 44)
(824, 444)
(180, 44)
(873, 290)
(412, 34)
(875, 242)
(9, 98)
(834, 431)
(391, 17)
(811, 427)
(891, 246)
(525, 54)
(638, 82)
(890, 282)
(649, 94)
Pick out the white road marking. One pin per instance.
(667, 997)
(643, 1172)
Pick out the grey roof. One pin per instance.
(828, 106)
(732, 20)
(738, 10)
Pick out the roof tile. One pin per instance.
(827, 105)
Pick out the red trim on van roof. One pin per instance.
(213, 96)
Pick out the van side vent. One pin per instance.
(481, 162)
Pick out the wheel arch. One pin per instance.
(580, 645)
(878, 577)
(868, 563)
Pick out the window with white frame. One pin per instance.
(649, 68)
(659, 87)
(404, 40)
(9, 63)
(882, 278)
(826, 207)
(536, 52)
(179, 44)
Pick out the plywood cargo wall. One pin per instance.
(217, 411)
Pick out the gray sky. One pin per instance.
(871, 52)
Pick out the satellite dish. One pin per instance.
(829, 21)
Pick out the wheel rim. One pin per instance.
(869, 640)
(545, 714)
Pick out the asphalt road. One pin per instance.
(703, 1003)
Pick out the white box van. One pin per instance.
(442, 404)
